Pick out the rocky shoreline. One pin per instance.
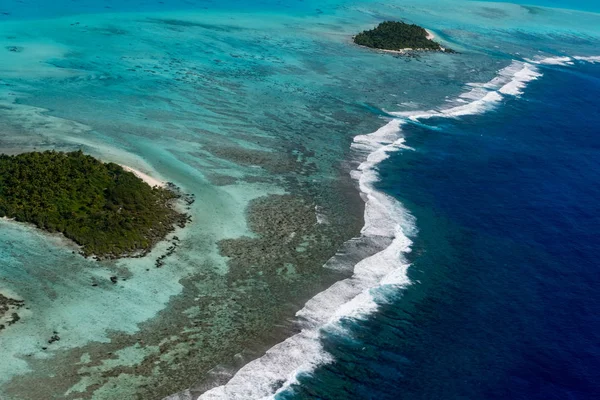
(178, 219)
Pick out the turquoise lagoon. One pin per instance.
(253, 109)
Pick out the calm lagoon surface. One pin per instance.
(366, 226)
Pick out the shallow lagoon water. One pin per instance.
(230, 106)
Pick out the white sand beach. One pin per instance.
(145, 177)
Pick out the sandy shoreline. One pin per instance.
(145, 177)
(430, 34)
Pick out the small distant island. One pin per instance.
(108, 211)
(398, 37)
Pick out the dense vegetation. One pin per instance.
(391, 35)
(108, 211)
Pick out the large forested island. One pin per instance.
(397, 36)
(108, 211)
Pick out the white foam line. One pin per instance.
(516, 85)
(551, 60)
(590, 59)
(564, 60)
(510, 81)
(386, 221)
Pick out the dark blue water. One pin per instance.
(506, 299)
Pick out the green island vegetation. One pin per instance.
(397, 36)
(108, 211)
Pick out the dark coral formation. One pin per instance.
(8, 308)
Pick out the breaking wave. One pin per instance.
(565, 60)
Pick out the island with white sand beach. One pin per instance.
(110, 210)
(400, 38)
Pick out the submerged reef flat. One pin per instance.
(108, 211)
(398, 37)
(245, 311)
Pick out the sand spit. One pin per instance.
(145, 177)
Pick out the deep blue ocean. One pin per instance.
(504, 302)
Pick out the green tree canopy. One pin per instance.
(108, 211)
(392, 35)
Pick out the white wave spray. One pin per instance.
(388, 224)
(563, 60)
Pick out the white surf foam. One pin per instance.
(551, 60)
(510, 81)
(564, 61)
(590, 59)
(386, 222)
